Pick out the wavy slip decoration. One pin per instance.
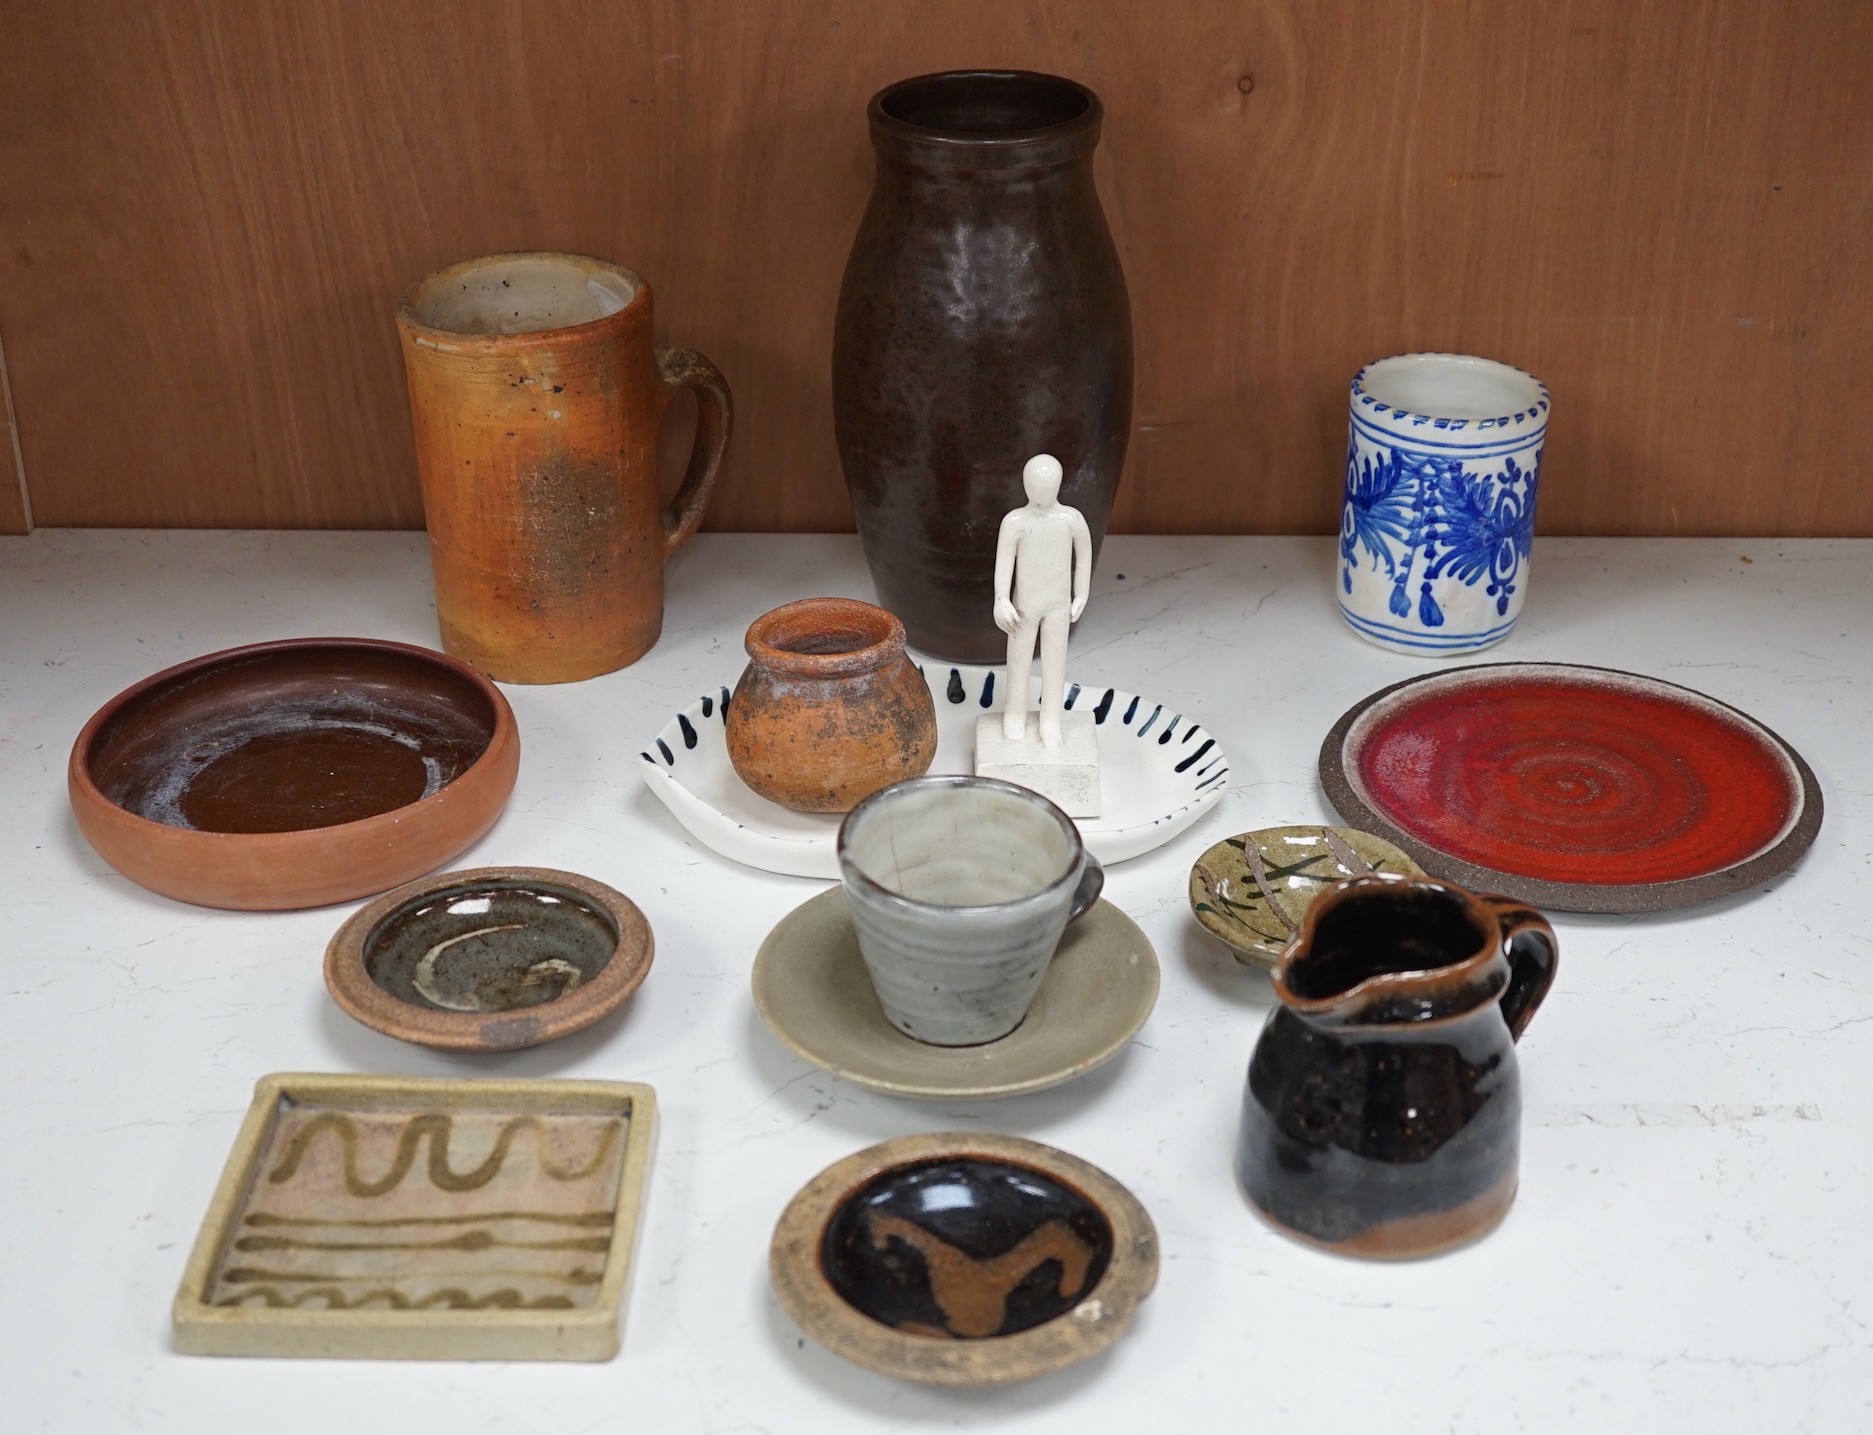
(438, 1128)
(374, 1217)
(323, 1162)
(1159, 768)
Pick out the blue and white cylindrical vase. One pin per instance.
(1441, 470)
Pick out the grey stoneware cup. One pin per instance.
(960, 888)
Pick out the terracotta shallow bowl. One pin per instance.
(490, 958)
(963, 1258)
(294, 774)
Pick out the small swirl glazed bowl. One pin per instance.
(490, 958)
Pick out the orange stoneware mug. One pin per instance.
(536, 398)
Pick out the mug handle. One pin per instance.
(1092, 883)
(715, 416)
(1533, 956)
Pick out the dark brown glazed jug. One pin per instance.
(983, 320)
(1383, 1110)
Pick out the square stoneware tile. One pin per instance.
(404, 1219)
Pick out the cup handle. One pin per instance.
(1533, 956)
(715, 417)
(1092, 883)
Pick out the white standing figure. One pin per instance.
(1043, 575)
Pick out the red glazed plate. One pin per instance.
(1575, 788)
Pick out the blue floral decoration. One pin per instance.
(1403, 507)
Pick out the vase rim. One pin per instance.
(1043, 111)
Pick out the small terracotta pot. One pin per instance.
(829, 709)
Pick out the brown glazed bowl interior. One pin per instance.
(294, 774)
(489, 959)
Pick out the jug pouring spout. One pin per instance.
(1383, 949)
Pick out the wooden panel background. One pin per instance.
(208, 207)
(15, 508)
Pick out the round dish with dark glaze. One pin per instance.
(963, 1258)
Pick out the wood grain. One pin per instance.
(16, 514)
(210, 206)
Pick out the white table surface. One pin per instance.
(1692, 1248)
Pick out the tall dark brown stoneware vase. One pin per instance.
(983, 320)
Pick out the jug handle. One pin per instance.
(1533, 956)
(715, 417)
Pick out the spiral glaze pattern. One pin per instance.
(1592, 780)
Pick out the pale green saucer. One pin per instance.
(815, 995)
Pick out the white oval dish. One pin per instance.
(1159, 771)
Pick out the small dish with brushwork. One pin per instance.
(1253, 889)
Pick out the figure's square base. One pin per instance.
(1067, 775)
